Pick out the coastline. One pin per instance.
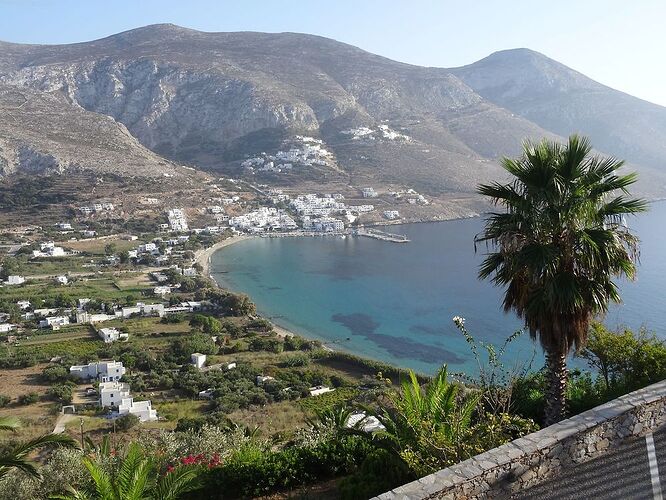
(202, 257)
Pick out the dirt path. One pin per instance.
(62, 421)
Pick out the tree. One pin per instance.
(15, 457)
(110, 248)
(136, 477)
(559, 244)
(625, 360)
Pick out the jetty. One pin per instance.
(382, 235)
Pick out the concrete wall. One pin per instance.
(522, 463)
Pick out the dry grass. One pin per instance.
(277, 418)
(97, 246)
(17, 382)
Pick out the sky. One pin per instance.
(619, 43)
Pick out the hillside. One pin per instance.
(213, 100)
(43, 133)
(562, 100)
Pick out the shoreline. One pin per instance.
(202, 257)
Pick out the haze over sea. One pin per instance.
(395, 302)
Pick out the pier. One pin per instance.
(382, 235)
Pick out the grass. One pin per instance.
(281, 418)
(103, 288)
(96, 247)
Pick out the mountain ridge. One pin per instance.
(212, 99)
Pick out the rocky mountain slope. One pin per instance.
(43, 133)
(562, 100)
(214, 100)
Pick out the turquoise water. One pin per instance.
(395, 302)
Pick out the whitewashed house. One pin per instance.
(62, 280)
(319, 389)
(109, 335)
(112, 393)
(14, 280)
(198, 360)
(54, 322)
(6, 327)
(105, 371)
(391, 214)
(23, 304)
(142, 409)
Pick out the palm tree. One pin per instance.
(559, 245)
(428, 427)
(135, 478)
(15, 457)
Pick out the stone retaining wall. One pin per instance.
(502, 471)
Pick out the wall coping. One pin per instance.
(541, 442)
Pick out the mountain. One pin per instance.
(42, 132)
(562, 100)
(221, 101)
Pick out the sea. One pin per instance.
(395, 302)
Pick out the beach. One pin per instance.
(202, 257)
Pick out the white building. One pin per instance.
(319, 389)
(328, 224)
(177, 219)
(370, 423)
(48, 249)
(23, 304)
(86, 317)
(162, 290)
(54, 322)
(263, 378)
(369, 192)
(143, 309)
(6, 327)
(105, 371)
(15, 280)
(109, 335)
(198, 360)
(142, 409)
(112, 393)
(391, 214)
(62, 280)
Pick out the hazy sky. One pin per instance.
(621, 43)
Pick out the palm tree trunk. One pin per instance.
(556, 378)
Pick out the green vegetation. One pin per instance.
(559, 245)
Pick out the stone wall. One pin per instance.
(522, 463)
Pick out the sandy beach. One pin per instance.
(202, 257)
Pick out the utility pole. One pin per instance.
(81, 432)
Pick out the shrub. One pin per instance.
(55, 373)
(61, 393)
(27, 399)
(126, 422)
(4, 400)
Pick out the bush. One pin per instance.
(27, 399)
(126, 422)
(4, 400)
(55, 373)
(61, 393)
(251, 472)
(380, 471)
(297, 360)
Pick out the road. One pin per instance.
(632, 471)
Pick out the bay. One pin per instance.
(395, 302)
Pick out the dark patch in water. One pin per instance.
(400, 347)
(357, 323)
(274, 288)
(427, 329)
